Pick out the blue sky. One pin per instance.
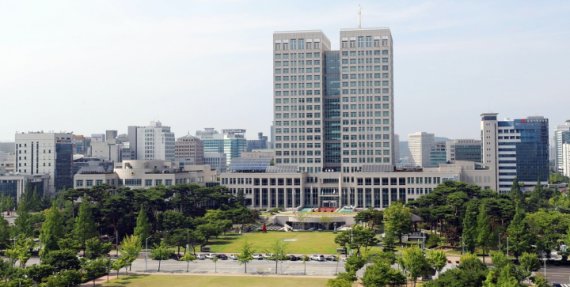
(87, 66)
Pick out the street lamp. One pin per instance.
(146, 253)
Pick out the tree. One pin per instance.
(529, 262)
(64, 278)
(39, 272)
(94, 269)
(246, 254)
(188, 257)
(142, 229)
(436, 259)
(370, 217)
(357, 238)
(382, 274)
(84, 227)
(397, 220)
(339, 282)
(62, 260)
(471, 272)
(4, 233)
(484, 231)
(278, 252)
(519, 237)
(52, 230)
(95, 248)
(130, 249)
(118, 264)
(469, 235)
(516, 193)
(160, 252)
(414, 262)
(23, 226)
(21, 251)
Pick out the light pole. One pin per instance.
(146, 253)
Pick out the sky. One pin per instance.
(88, 66)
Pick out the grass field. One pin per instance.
(214, 281)
(297, 242)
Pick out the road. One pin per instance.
(557, 274)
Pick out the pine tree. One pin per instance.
(52, 230)
(84, 227)
(470, 227)
(23, 224)
(484, 231)
(516, 194)
(519, 238)
(142, 229)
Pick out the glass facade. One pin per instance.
(332, 111)
(63, 166)
(532, 150)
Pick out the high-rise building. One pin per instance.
(516, 149)
(561, 136)
(420, 144)
(189, 150)
(260, 143)
(153, 142)
(333, 110)
(566, 159)
(230, 142)
(437, 154)
(463, 149)
(39, 153)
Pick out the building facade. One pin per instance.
(561, 136)
(464, 149)
(516, 149)
(421, 144)
(333, 110)
(566, 159)
(39, 153)
(153, 142)
(438, 154)
(189, 150)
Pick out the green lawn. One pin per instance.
(214, 281)
(297, 242)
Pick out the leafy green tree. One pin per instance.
(95, 248)
(52, 230)
(470, 227)
(21, 251)
(540, 281)
(357, 238)
(547, 227)
(436, 259)
(519, 237)
(471, 272)
(142, 229)
(246, 254)
(130, 249)
(23, 226)
(62, 260)
(188, 257)
(278, 252)
(382, 274)
(160, 252)
(39, 272)
(370, 217)
(4, 233)
(339, 282)
(84, 227)
(397, 220)
(94, 269)
(64, 278)
(118, 264)
(529, 262)
(414, 263)
(484, 230)
(516, 193)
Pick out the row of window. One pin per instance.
(366, 91)
(297, 123)
(297, 44)
(315, 70)
(293, 56)
(300, 108)
(364, 42)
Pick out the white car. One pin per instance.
(267, 256)
(318, 257)
(201, 257)
(233, 257)
(257, 256)
(210, 255)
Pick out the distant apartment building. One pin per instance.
(152, 142)
(516, 149)
(464, 149)
(189, 150)
(420, 145)
(438, 154)
(561, 136)
(39, 153)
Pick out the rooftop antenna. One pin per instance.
(359, 16)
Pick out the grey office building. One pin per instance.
(333, 110)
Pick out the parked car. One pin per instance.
(201, 256)
(222, 256)
(257, 256)
(317, 257)
(233, 257)
(294, 258)
(330, 258)
(267, 256)
(210, 255)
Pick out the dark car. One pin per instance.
(222, 256)
(294, 258)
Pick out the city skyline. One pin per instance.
(69, 77)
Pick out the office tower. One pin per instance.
(396, 148)
(561, 136)
(333, 110)
(230, 142)
(153, 142)
(260, 143)
(39, 153)
(111, 135)
(566, 159)
(516, 149)
(437, 154)
(189, 150)
(464, 149)
(420, 144)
